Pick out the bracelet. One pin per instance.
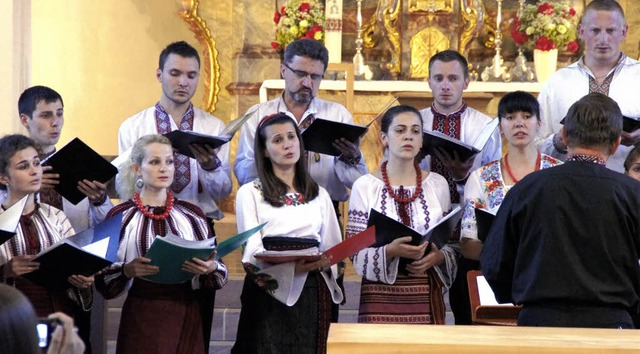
(101, 201)
(555, 146)
(351, 160)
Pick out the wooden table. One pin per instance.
(349, 338)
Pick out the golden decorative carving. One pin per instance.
(431, 5)
(211, 68)
(388, 11)
(424, 45)
(472, 14)
(490, 28)
(370, 40)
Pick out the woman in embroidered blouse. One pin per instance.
(41, 226)
(286, 306)
(519, 115)
(418, 199)
(157, 318)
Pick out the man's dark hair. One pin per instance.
(182, 49)
(30, 97)
(518, 101)
(594, 121)
(447, 56)
(604, 5)
(273, 188)
(309, 48)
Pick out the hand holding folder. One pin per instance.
(434, 140)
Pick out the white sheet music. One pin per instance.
(98, 248)
(487, 298)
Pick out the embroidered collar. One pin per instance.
(460, 110)
(584, 66)
(311, 110)
(587, 158)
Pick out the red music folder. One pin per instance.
(351, 246)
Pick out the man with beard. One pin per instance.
(200, 181)
(305, 61)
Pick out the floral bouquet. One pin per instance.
(547, 25)
(298, 19)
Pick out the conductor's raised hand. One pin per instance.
(139, 267)
(95, 190)
(459, 169)
(20, 265)
(401, 247)
(205, 155)
(309, 266)
(49, 179)
(432, 259)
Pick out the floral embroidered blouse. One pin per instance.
(486, 189)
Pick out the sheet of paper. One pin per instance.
(487, 298)
(98, 248)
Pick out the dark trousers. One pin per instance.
(574, 316)
(459, 292)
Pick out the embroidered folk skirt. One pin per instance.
(160, 318)
(410, 300)
(268, 326)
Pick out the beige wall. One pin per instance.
(102, 56)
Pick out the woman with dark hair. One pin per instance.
(400, 190)
(157, 318)
(632, 163)
(286, 307)
(519, 115)
(41, 225)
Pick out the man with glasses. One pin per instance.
(305, 61)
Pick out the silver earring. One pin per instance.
(139, 183)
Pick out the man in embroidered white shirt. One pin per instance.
(603, 68)
(305, 62)
(207, 178)
(448, 78)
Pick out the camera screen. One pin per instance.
(43, 334)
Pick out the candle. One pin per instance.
(333, 30)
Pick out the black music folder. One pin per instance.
(77, 161)
(484, 220)
(181, 139)
(388, 229)
(83, 254)
(432, 140)
(321, 134)
(10, 219)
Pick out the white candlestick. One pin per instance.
(333, 30)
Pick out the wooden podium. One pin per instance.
(500, 315)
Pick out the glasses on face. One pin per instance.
(300, 74)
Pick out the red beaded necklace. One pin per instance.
(395, 197)
(506, 165)
(147, 213)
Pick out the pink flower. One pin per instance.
(304, 7)
(572, 46)
(544, 43)
(545, 9)
(276, 17)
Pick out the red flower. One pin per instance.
(544, 43)
(283, 9)
(304, 7)
(545, 9)
(275, 45)
(572, 46)
(519, 38)
(316, 28)
(572, 12)
(276, 17)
